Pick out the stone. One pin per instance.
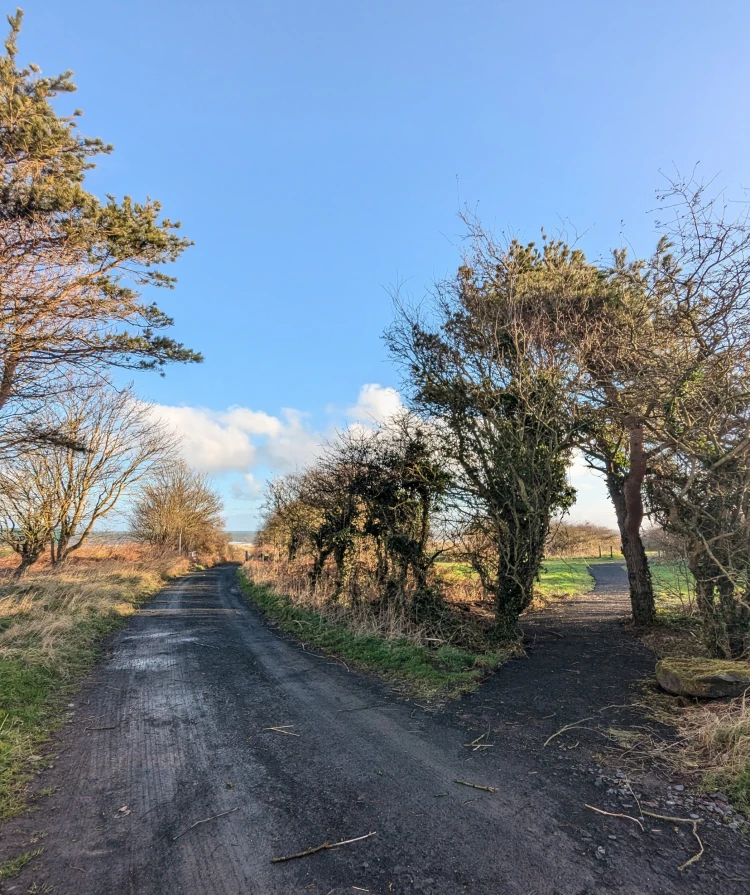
(703, 678)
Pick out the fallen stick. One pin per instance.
(476, 785)
(281, 730)
(683, 820)
(204, 821)
(112, 727)
(563, 729)
(611, 814)
(317, 848)
(475, 745)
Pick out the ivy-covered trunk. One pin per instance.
(511, 598)
(724, 615)
(319, 562)
(343, 556)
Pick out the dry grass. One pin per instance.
(40, 614)
(715, 742)
(369, 616)
(51, 624)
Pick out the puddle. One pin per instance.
(144, 663)
(148, 636)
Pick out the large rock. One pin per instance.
(705, 678)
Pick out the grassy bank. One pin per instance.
(442, 670)
(51, 625)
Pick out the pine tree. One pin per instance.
(72, 266)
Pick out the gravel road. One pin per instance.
(170, 778)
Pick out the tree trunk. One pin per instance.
(510, 598)
(627, 497)
(28, 558)
(318, 565)
(725, 618)
(342, 555)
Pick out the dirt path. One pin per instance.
(171, 730)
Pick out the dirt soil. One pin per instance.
(173, 730)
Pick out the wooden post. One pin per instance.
(611, 555)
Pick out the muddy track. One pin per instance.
(172, 730)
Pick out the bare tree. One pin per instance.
(123, 442)
(691, 382)
(178, 508)
(289, 519)
(29, 509)
(57, 492)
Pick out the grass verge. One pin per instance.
(9, 869)
(51, 626)
(444, 671)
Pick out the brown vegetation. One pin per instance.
(46, 614)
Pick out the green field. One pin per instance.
(558, 578)
(564, 578)
(674, 586)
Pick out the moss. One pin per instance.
(695, 669)
(710, 678)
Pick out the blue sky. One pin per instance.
(317, 152)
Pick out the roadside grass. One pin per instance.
(51, 625)
(10, 868)
(429, 672)
(720, 738)
(677, 631)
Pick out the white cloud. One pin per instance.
(375, 404)
(210, 441)
(239, 439)
(247, 487)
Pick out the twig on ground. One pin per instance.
(317, 848)
(476, 785)
(204, 821)
(563, 729)
(280, 729)
(474, 745)
(612, 814)
(111, 727)
(683, 820)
